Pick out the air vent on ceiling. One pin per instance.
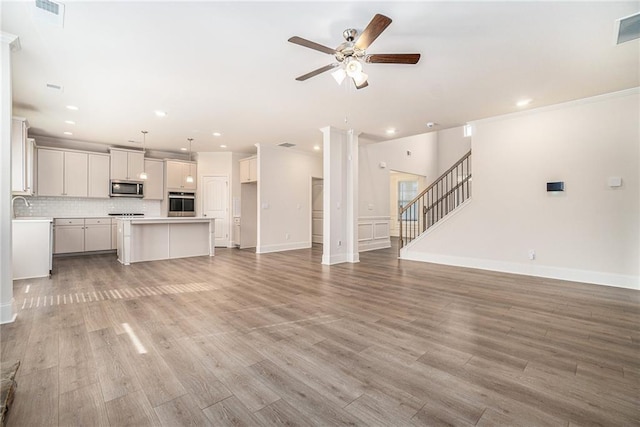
(50, 12)
(54, 86)
(628, 28)
(286, 145)
(49, 6)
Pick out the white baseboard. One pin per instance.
(265, 249)
(340, 259)
(574, 275)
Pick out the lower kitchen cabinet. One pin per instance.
(72, 235)
(68, 235)
(97, 234)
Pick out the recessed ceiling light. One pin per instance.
(223, 146)
(391, 131)
(70, 122)
(161, 113)
(183, 149)
(316, 147)
(72, 107)
(523, 102)
(68, 133)
(217, 134)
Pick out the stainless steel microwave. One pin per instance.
(120, 188)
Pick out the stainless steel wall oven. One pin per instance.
(182, 204)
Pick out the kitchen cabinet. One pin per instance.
(68, 235)
(72, 235)
(249, 170)
(50, 172)
(98, 175)
(31, 247)
(176, 173)
(72, 173)
(62, 173)
(22, 154)
(154, 185)
(97, 234)
(76, 174)
(126, 164)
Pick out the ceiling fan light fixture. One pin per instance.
(353, 67)
(360, 79)
(339, 75)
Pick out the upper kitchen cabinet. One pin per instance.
(176, 173)
(126, 164)
(154, 185)
(98, 175)
(62, 173)
(249, 169)
(22, 153)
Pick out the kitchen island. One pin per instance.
(151, 239)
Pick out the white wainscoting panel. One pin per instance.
(373, 233)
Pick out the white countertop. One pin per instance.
(164, 219)
(33, 219)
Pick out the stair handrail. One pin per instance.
(466, 178)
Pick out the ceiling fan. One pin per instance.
(352, 53)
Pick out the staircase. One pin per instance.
(439, 199)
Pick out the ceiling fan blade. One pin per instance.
(377, 25)
(311, 45)
(362, 86)
(393, 58)
(316, 72)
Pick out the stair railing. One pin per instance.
(446, 193)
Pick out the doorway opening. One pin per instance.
(317, 207)
(402, 189)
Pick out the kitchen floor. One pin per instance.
(247, 339)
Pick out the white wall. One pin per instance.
(452, 145)
(374, 180)
(284, 198)
(589, 233)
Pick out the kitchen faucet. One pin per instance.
(13, 208)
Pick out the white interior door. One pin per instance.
(316, 210)
(215, 204)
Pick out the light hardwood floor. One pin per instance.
(279, 339)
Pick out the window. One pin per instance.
(407, 191)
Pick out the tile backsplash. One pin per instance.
(60, 207)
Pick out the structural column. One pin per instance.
(340, 203)
(8, 43)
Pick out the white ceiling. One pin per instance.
(227, 67)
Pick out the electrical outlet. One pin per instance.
(532, 254)
(286, 236)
